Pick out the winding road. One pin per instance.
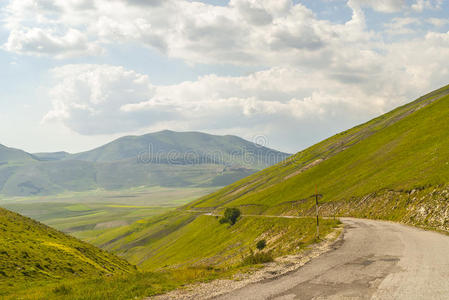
(376, 260)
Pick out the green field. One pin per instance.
(88, 214)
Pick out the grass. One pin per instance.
(88, 214)
(183, 249)
(33, 254)
(120, 287)
(187, 239)
(403, 150)
(391, 168)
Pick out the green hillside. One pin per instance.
(186, 239)
(166, 158)
(49, 156)
(395, 167)
(11, 155)
(185, 148)
(32, 254)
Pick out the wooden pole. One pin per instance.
(317, 219)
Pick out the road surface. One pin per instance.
(376, 260)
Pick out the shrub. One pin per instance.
(257, 258)
(261, 244)
(62, 290)
(230, 216)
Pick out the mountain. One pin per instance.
(192, 147)
(14, 155)
(49, 156)
(394, 167)
(31, 252)
(166, 158)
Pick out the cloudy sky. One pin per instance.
(79, 73)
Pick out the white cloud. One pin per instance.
(88, 98)
(386, 6)
(402, 25)
(421, 5)
(99, 99)
(38, 41)
(314, 68)
(438, 22)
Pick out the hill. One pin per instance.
(49, 156)
(166, 158)
(184, 148)
(393, 167)
(32, 253)
(11, 155)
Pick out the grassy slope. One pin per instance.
(404, 150)
(32, 253)
(181, 239)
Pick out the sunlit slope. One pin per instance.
(401, 152)
(181, 239)
(31, 252)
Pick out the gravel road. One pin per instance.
(377, 260)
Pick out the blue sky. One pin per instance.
(79, 73)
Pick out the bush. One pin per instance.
(230, 216)
(62, 290)
(261, 244)
(257, 258)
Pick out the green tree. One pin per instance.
(261, 244)
(230, 216)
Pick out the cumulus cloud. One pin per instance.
(88, 98)
(421, 5)
(98, 99)
(37, 41)
(386, 6)
(313, 69)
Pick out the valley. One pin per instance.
(90, 213)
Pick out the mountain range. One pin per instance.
(166, 158)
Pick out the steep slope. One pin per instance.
(31, 252)
(166, 158)
(395, 166)
(188, 239)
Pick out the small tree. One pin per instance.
(261, 244)
(230, 216)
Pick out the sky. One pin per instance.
(76, 74)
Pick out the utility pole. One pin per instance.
(317, 219)
(317, 196)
